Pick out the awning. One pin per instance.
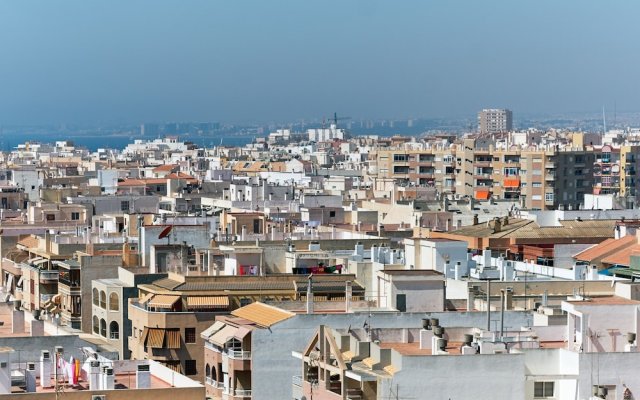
(40, 261)
(155, 338)
(482, 194)
(163, 301)
(208, 302)
(173, 339)
(34, 260)
(212, 329)
(143, 336)
(511, 182)
(241, 333)
(223, 335)
(145, 298)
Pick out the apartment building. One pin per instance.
(169, 312)
(228, 344)
(433, 167)
(495, 121)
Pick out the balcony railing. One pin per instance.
(242, 393)
(49, 275)
(213, 383)
(239, 354)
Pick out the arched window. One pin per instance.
(96, 325)
(113, 302)
(213, 374)
(207, 370)
(96, 297)
(114, 330)
(103, 327)
(103, 299)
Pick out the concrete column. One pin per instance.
(347, 296)
(17, 321)
(37, 328)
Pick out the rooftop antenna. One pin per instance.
(604, 122)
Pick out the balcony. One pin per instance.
(49, 276)
(242, 393)
(239, 354)
(214, 384)
(549, 177)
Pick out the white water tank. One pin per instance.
(30, 377)
(46, 367)
(94, 376)
(143, 377)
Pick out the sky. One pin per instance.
(86, 61)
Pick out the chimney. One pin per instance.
(348, 293)
(459, 224)
(505, 222)
(108, 378)
(30, 377)
(497, 225)
(45, 369)
(475, 219)
(143, 377)
(95, 382)
(310, 295)
(243, 236)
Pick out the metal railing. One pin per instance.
(243, 392)
(49, 275)
(239, 354)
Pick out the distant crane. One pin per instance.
(336, 119)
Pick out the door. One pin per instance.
(401, 302)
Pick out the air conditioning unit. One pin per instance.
(99, 397)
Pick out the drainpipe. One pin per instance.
(310, 294)
(347, 296)
(502, 301)
(488, 305)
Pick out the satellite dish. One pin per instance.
(165, 232)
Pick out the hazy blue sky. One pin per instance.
(270, 60)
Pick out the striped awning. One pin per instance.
(163, 301)
(212, 329)
(223, 335)
(208, 302)
(155, 338)
(143, 336)
(173, 339)
(145, 298)
(241, 333)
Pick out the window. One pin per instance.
(245, 301)
(51, 217)
(96, 297)
(511, 171)
(75, 216)
(536, 184)
(96, 325)
(542, 390)
(332, 214)
(103, 299)
(548, 196)
(114, 330)
(114, 304)
(399, 157)
(189, 335)
(103, 328)
(124, 205)
(190, 367)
